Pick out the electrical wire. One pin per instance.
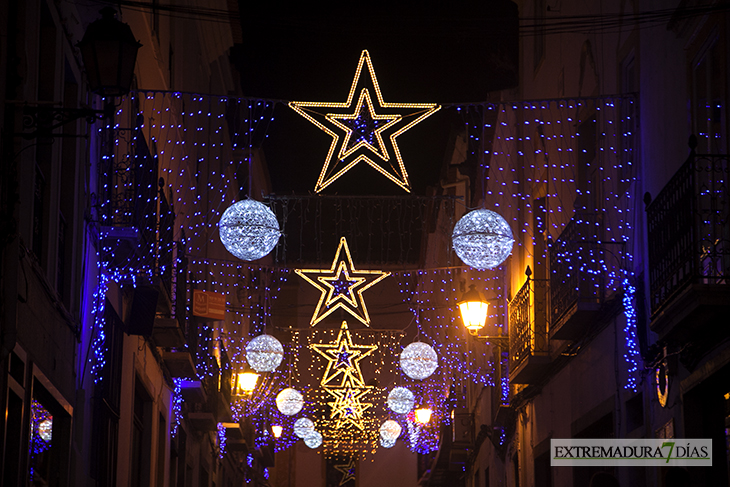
(528, 26)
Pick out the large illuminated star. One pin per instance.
(343, 359)
(348, 470)
(341, 286)
(364, 131)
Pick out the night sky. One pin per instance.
(422, 52)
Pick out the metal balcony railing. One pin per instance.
(577, 273)
(689, 229)
(528, 323)
(137, 217)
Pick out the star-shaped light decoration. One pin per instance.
(343, 359)
(348, 470)
(364, 131)
(341, 286)
(348, 408)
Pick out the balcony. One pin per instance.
(577, 279)
(137, 218)
(689, 251)
(528, 340)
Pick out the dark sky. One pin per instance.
(421, 52)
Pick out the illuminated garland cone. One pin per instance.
(249, 230)
(289, 401)
(418, 360)
(482, 239)
(264, 353)
(400, 400)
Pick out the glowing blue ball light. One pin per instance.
(400, 400)
(249, 230)
(482, 239)
(264, 353)
(418, 360)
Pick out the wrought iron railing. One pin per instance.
(528, 322)
(689, 229)
(577, 266)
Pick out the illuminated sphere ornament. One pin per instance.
(386, 443)
(45, 430)
(249, 230)
(390, 430)
(289, 401)
(314, 440)
(418, 360)
(482, 239)
(400, 400)
(264, 353)
(303, 428)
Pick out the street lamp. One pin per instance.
(423, 415)
(109, 53)
(244, 383)
(473, 308)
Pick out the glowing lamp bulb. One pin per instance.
(423, 415)
(277, 429)
(473, 310)
(245, 383)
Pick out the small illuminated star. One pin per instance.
(343, 358)
(348, 470)
(373, 127)
(341, 286)
(347, 408)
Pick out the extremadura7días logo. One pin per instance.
(602, 452)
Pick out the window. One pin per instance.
(141, 436)
(708, 96)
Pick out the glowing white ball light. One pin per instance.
(418, 360)
(386, 443)
(314, 440)
(303, 428)
(249, 230)
(482, 239)
(400, 400)
(289, 401)
(264, 353)
(390, 430)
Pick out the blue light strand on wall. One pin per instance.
(222, 449)
(177, 403)
(558, 149)
(632, 354)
